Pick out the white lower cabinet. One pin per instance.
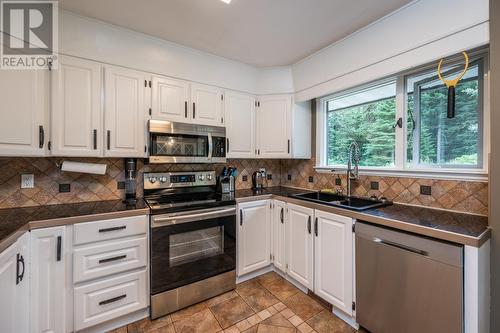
(254, 236)
(48, 285)
(278, 222)
(110, 298)
(14, 287)
(300, 246)
(333, 260)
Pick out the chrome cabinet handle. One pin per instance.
(401, 246)
(111, 300)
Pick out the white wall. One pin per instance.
(421, 32)
(92, 39)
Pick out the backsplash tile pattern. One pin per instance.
(464, 196)
(455, 195)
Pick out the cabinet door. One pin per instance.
(23, 125)
(48, 282)
(254, 240)
(207, 104)
(279, 235)
(170, 99)
(300, 244)
(240, 125)
(274, 126)
(334, 260)
(76, 108)
(125, 112)
(14, 287)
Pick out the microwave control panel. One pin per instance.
(219, 148)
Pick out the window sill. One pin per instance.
(459, 175)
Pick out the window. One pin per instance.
(429, 141)
(366, 117)
(434, 141)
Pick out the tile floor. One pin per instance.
(266, 304)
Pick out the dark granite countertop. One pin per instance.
(467, 229)
(14, 221)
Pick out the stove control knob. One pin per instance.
(163, 179)
(201, 177)
(153, 180)
(209, 177)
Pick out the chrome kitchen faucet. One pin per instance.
(353, 156)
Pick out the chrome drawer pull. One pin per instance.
(113, 228)
(103, 261)
(401, 247)
(111, 300)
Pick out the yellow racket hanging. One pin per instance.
(451, 84)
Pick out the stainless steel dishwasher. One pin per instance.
(407, 283)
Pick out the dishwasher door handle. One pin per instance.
(401, 246)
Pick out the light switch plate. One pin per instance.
(27, 180)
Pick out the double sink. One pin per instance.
(338, 200)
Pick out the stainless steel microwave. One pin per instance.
(173, 142)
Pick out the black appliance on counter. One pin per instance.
(193, 239)
(130, 185)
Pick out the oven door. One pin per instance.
(191, 246)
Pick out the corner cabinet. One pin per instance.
(254, 236)
(278, 232)
(125, 112)
(76, 108)
(24, 125)
(14, 287)
(48, 285)
(240, 125)
(300, 244)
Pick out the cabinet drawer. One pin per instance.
(92, 232)
(101, 301)
(108, 258)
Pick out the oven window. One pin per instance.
(194, 245)
(180, 145)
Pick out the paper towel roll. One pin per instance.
(94, 168)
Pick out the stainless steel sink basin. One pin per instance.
(353, 203)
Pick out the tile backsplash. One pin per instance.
(455, 195)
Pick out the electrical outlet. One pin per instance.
(311, 179)
(374, 186)
(120, 185)
(269, 177)
(425, 190)
(244, 178)
(27, 181)
(338, 181)
(289, 177)
(64, 188)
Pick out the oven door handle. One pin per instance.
(179, 219)
(210, 146)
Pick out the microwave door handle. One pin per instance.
(210, 146)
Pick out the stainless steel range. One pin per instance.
(193, 239)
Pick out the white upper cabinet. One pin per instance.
(254, 236)
(48, 289)
(23, 108)
(240, 125)
(207, 105)
(273, 126)
(125, 112)
(300, 244)
(279, 235)
(170, 99)
(334, 260)
(14, 287)
(76, 108)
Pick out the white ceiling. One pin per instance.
(257, 32)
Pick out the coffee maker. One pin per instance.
(258, 179)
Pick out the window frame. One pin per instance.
(401, 167)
